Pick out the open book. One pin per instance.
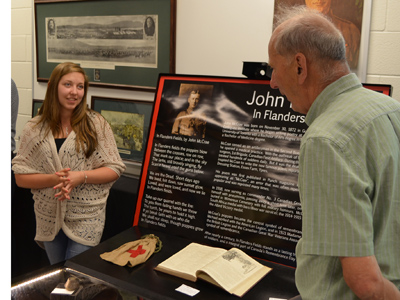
(232, 270)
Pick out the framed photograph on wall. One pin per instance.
(129, 120)
(352, 18)
(380, 88)
(120, 43)
(36, 104)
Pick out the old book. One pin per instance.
(232, 270)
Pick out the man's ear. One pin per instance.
(301, 65)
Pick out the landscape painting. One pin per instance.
(127, 128)
(105, 41)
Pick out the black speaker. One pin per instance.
(257, 70)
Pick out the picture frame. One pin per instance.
(357, 13)
(109, 39)
(130, 121)
(36, 104)
(381, 88)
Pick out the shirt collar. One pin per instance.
(328, 95)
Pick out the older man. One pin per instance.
(349, 164)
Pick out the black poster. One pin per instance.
(221, 165)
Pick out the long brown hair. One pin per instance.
(86, 136)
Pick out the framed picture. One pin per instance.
(381, 88)
(129, 120)
(120, 43)
(36, 106)
(353, 18)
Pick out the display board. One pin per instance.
(225, 173)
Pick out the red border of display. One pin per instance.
(153, 122)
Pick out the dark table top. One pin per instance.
(145, 282)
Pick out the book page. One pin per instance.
(234, 271)
(186, 262)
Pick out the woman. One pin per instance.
(68, 157)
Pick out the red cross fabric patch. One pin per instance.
(138, 251)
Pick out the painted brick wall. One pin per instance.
(384, 45)
(21, 57)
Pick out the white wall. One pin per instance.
(213, 38)
(384, 53)
(21, 57)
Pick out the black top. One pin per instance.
(59, 143)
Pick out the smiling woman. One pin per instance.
(68, 157)
(71, 90)
(63, 107)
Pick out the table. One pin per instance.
(147, 283)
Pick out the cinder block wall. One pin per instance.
(21, 57)
(384, 45)
(383, 55)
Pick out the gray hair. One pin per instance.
(311, 33)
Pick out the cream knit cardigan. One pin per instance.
(82, 217)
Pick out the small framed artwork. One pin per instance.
(119, 43)
(36, 104)
(129, 120)
(381, 88)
